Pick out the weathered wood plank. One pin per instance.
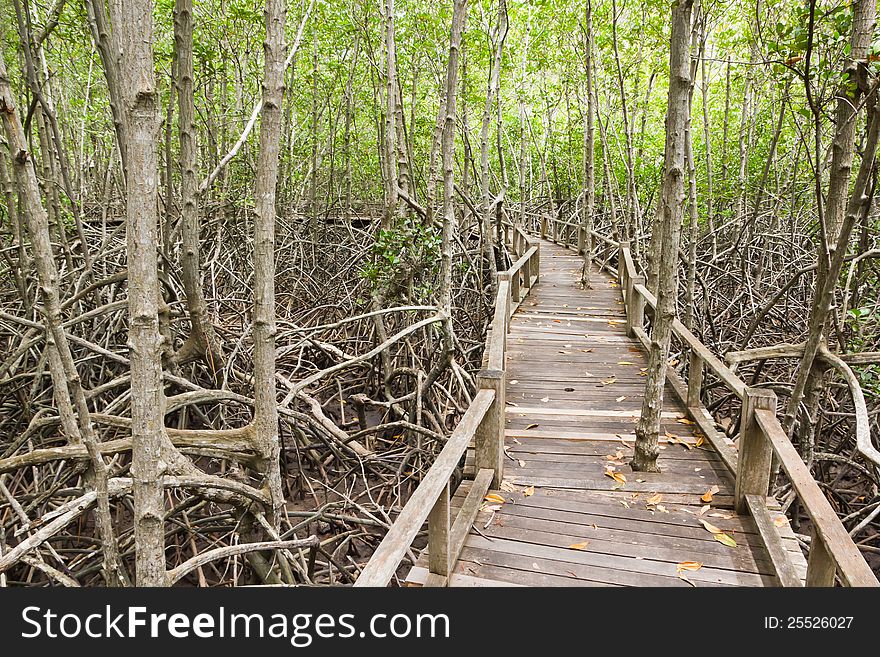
(785, 570)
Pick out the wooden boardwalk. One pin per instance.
(574, 390)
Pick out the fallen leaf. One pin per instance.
(689, 566)
(712, 529)
(528, 492)
(684, 420)
(724, 539)
(709, 494)
(781, 521)
(661, 508)
(562, 351)
(494, 497)
(620, 399)
(534, 425)
(522, 463)
(619, 477)
(656, 498)
(579, 546)
(507, 487)
(490, 507)
(625, 362)
(700, 441)
(672, 438)
(545, 399)
(608, 382)
(723, 516)
(514, 382)
(703, 509)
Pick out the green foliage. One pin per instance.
(408, 251)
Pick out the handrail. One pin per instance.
(483, 422)
(832, 550)
(829, 534)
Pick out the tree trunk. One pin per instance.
(265, 402)
(202, 341)
(648, 427)
(391, 196)
(492, 93)
(589, 153)
(448, 160)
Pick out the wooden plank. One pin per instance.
(582, 412)
(625, 562)
(419, 574)
(785, 570)
(386, 559)
(853, 568)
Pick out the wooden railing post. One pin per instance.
(635, 307)
(489, 437)
(544, 226)
(555, 231)
(755, 451)
(438, 534)
(695, 379)
(622, 272)
(820, 563)
(536, 265)
(515, 288)
(527, 269)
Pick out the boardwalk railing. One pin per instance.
(832, 551)
(482, 423)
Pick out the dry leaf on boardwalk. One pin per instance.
(619, 477)
(534, 425)
(689, 566)
(528, 492)
(494, 498)
(724, 539)
(676, 440)
(684, 420)
(507, 487)
(709, 494)
(712, 529)
(579, 546)
(656, 498)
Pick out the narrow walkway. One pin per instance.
(574, 390)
